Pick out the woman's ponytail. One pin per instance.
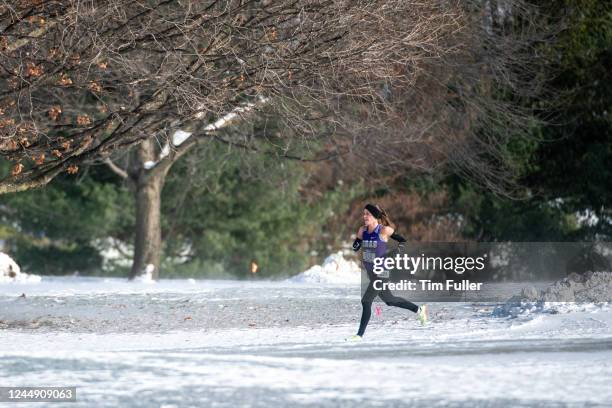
(384, 218)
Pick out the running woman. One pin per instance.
(373, 237)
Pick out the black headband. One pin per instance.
(374, 211)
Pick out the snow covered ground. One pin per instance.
(199, 343)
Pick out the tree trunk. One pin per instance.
(147, 193)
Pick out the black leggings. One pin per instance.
(386, 296)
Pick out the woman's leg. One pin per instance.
(366, 304)
(391, 300)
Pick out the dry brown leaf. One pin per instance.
(72, 169)
(95, 87)
(83, 120)
(33, 70)
(54, 113)
(64, 80)
(17, 169)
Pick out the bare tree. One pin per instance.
(83, 80)
(460, 110)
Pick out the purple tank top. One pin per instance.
(373, 246)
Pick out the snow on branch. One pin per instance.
(180, 136)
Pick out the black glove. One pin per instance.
(397, 237)
(357, 244)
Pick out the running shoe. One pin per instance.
(354, 337)
(422, 315)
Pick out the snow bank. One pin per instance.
(335, 270)
(587, 290)
(590, 287)
(11, 272)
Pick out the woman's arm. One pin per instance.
(386, 232)
(397, 237)
(357, 242)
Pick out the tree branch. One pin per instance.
(116, 169)
(282, 156)
(33, 35)
(187, 139)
